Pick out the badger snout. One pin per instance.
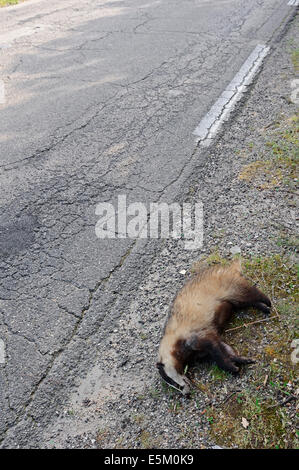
(172, 378)
(186, 389)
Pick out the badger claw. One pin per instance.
(243, 360)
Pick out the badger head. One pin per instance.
(171, 368)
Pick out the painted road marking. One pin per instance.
(293, 3)
(220, 111)
(2, 352)
(295, 92)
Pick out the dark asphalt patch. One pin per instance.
(17, 234)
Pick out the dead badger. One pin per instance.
(198, 314)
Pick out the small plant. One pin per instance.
(218, 374)
(155, 393)
(4, 3)
(175, 406)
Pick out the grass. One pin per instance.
(295, 59)
(278, 166)
(148, 441)
(267, 425)
(4, 3)
(273, 378)
(275, 274)
(217, 374)
(214, 258)
(288, 243)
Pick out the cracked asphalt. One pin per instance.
(101, 99)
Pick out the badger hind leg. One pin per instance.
(263, 307)
(220, 352)
(212, 346)
(236, 359)
(251, 296)
(222, 358)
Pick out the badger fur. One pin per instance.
(197, 317)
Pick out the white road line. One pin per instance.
(2, 92)
(2, 352)
(295, 93)
(220, 111)
(293, 3)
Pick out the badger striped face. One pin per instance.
(169, 369)
(172, 378)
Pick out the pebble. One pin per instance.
(235, 250)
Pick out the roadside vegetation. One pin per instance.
(277, 166)
(4, 3)
(295, 60)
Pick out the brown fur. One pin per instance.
(199, 313)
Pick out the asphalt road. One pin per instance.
(100, 98)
